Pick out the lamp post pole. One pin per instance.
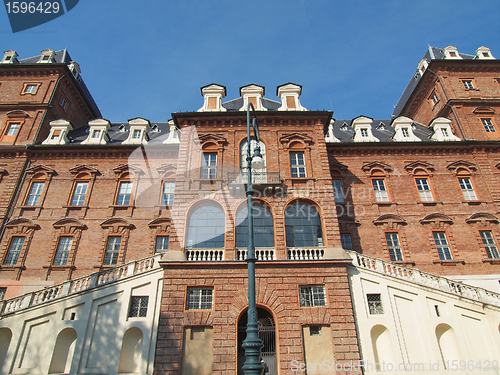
(252, 343)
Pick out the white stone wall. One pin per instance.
(85, 333)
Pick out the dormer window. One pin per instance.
(289, 94)
(434, 99)
(468, 84)
(252, 94)
(212, 98)
(444, 132)
(364, 132)
(451, 52)
(405, 132)
(58, 132)
(9, 57)
(98, 132)
(344, 127)
(30, 88)
(47, 56)
(137, 134)
(484, 53)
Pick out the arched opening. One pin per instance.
(448, 345)
(263, 227)
(206, 227)
(382, 345)
(303, 225)
(131, 353)
(267, 333)
(5, 337)
(63, 352)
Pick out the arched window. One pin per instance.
(263, 226)
(303, 225)
(63, 352)
(259, 176)
(206, 227)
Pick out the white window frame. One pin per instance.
(14, 250)
(63, 249)
(394, 246)
(298, 164)
(209, 165)
(78, 197)
(13, 128)
(161, 243)
(489, 244)
(167, 196)
(380, 189)
(467, 188)
(488, 125)
(442, 245)
(424, 189)
(124, 196)
(468, 84)
(112, 252)
(35, 193)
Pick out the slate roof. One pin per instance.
(236, 104)
(381, 129)
(119, 132)
(62, 57)
(432, 53)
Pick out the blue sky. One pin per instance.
(150, 58)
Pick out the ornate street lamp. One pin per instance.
(252, 343)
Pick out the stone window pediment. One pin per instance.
(117, 225)
(483, 218)
(83, 168)
(132, 170)
(41, 169)
(69, 225)
(289, 139)
(377, 167)
(437, 220)
(161, 224)
(216, 139)
(462, 167)
(391, 220)
(420, 167)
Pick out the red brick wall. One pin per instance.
(277, 286)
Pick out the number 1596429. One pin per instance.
(32, 7)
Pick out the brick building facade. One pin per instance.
(418, 191)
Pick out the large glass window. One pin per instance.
(161, 244)
(263, 226)
(79, 193)
(297, 164)
(209, 165)
(394, 247)
(112, 250)
(206, 228)
(337, 190)
(63, 249)
(15, 246)
(442, 245)
(489, 244)
(34, 194)
(303, 225)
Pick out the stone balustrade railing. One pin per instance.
(260, 254)
(296, 253)
(426, 279)
(205, 255)
(85, 283)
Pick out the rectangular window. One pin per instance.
(346, 240)
(467, 189)
(337, 190)
(161, 244)
(55, 134)
(468, 84)
(444, 132)
(488, 125)
(394, 247)
(435, 99)
(138, 307)
(199, 299)
(34, 194)
(30, 88)
(112, 250)
(380, 191)
(297, 164)
(12, 129)
(168, 193)
(442, 245)
(209, 165)
(405, 132)
(79, 193)
(96, 134)
(375, 304)
(364, 132)
(424, 190)
(136, 134)
(15, 246)
(63, 249)
(124, 193)
(489, 244)
(63, 103)
(312, 295)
